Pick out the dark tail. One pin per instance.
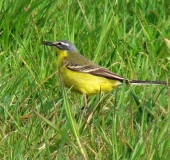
(136, 82)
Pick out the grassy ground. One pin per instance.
(39, 119)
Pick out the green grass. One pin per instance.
(40, 119)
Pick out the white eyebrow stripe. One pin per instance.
(66, 44)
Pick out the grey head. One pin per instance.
(62, 45)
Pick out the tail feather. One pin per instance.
(136, 82)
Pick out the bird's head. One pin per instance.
(62, 46)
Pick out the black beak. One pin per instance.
(48, 43)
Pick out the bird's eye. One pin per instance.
(59, 44)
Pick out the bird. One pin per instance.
(84, 76)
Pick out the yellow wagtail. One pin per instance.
(85, 77)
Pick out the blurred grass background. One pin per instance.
(39, 119)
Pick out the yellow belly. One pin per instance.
(85, 83)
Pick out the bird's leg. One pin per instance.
(85, 100)
(84, 108)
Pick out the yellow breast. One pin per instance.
(85, 83)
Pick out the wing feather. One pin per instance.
(94, 70)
